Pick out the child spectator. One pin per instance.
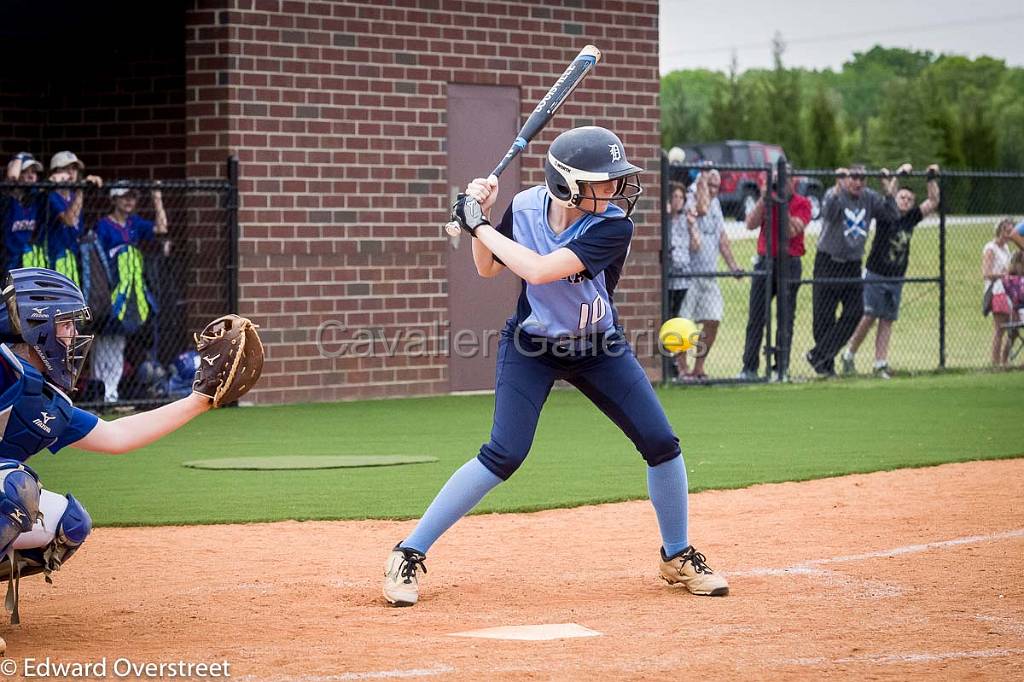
(1013, 284)
(888, 259)
(21, 209)
(120, 233)
(995, 263)
(64, 219)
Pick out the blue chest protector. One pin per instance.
(33, 413)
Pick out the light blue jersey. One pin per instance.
(581, 304)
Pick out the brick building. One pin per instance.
(352, 122)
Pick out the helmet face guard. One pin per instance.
(627, 192)
(582, 157)
(46, 310)
(69, 342)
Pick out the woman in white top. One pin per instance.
(995, 263)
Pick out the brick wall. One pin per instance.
(117, 99)
(336, 111)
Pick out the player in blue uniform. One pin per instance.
(41, 354)
(20, 209)
(64, 225)
(567, 240)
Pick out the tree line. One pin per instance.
(884, 107)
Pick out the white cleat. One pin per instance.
(400, 585)
(689, 569)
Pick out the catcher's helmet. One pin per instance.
(585, 155)
(36, 305)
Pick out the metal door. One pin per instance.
(482, 122)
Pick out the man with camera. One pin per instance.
(799, 216)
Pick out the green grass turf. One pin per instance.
(731, 436)
(915, 341)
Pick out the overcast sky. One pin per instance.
(821, 34)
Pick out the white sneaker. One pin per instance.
(849, 366)
(400, 585)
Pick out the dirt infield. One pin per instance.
(834, 577)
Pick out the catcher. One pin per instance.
(41, 355)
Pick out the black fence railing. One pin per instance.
(865, 285)
(156, 260)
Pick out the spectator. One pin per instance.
(120, 233)
(64, 224)
(889, 256)
(683, 238)
(1013, 283)
(703, 302)
(846, 214)
(1017, 236)
(799, 216)
(995, 262)
(20, 208)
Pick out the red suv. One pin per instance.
(739, 191)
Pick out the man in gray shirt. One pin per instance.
(846, 216)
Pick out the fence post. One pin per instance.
(232, 217)
(768, 224)
(666, 261)
(783, 306)
(942, 273)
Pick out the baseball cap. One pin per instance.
(120, 188)
(64, 159)
(28, 161)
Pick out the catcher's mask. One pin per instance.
(45, 309)
(586, 155)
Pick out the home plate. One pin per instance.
(532, 633)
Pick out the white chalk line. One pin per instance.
(869, 589)
(342, 677)
(890, 659)
(802, 568)
(807, 567)
(1011, 626)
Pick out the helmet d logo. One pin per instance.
(613, 149)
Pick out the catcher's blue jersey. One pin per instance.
(581, 304)
(34, 414)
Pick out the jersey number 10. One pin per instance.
(592, 313)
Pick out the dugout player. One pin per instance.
(41, 355)
(20, 209)
(567, 240)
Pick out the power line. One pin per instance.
(899, 30)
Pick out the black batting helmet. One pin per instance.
(586, 155)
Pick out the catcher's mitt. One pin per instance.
(230, 359)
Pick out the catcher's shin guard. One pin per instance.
(67, 534)
(19, 502)
(72, 529)
(19, 509)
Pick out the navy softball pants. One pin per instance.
(607, 372)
